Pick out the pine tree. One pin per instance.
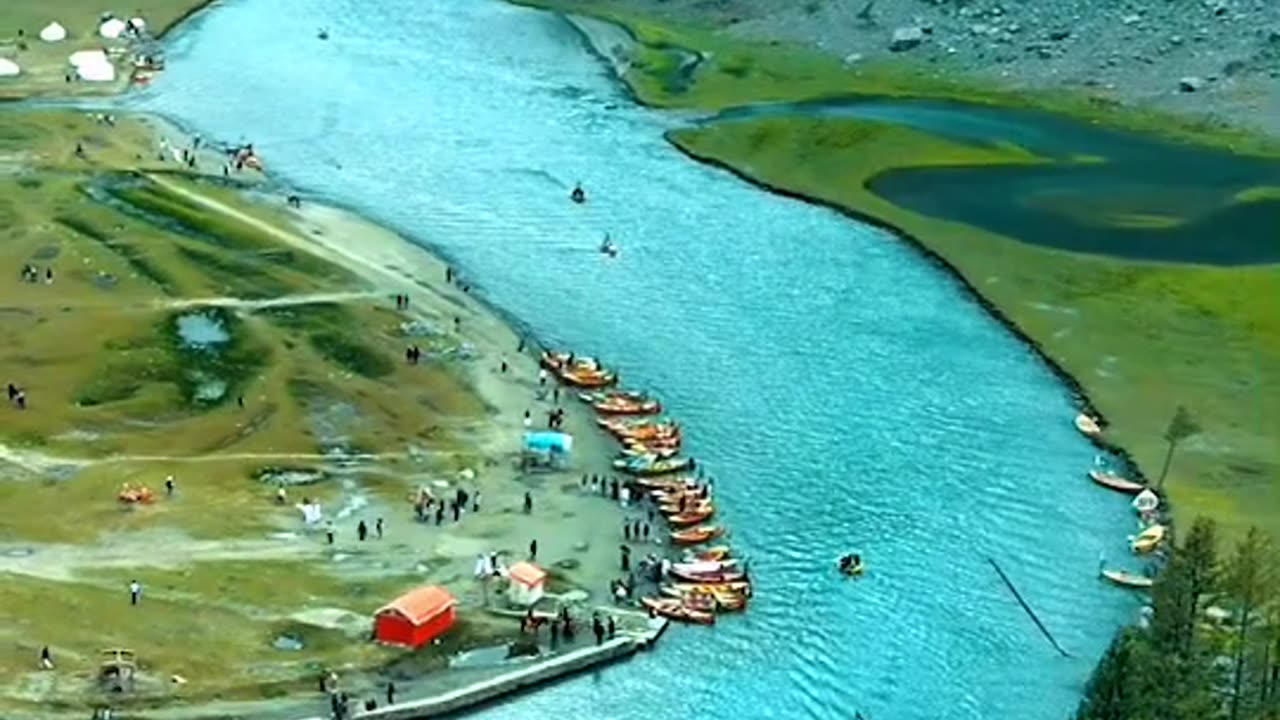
(1117, 690)
(1181, 427)
(1250, 582)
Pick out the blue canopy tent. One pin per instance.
(546, 449)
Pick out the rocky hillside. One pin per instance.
(1213, 58)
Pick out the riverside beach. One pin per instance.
(227, 405)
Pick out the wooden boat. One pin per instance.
(584, 378)
(1115, 482)
(639, 431)
(677, 610)
(741, 587)
(719, 552)
(703, 567)
(696, 535)
(727, 601)
(591, 398)
(554, 359)
(691, 517)
(1128, 579)
(691, 504)
(1088, 426)
(664, 484)
(709, 578)
(620, 406)
(1148, 539)
(642, 451)
(650, 465)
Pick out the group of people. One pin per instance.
(462, 500)
(17, 397)
(31, 274)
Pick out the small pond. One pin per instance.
(202, 331)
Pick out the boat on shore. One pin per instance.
(1128, 579)
(678, 610)
(652, 465)
(696, 535)
(1088, 426)
(627, 406)
(691, 517)
(1115, 482)
(1148, 539)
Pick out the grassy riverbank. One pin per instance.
(735, 72)
(180, 326)
(1140, 338)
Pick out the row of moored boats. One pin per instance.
(703, 581)
(1146, 503)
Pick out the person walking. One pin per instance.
(533, 549)
(135, 592)
(362, 531)
(597, 627)
(328, 531)
(528, 502)
(612, 629)
(377, 528)
(391, 693)
(169, 486)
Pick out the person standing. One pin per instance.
(377, 528)
(533, 549)
(391, 693)
(169, 486)
(362, 531)
(135, 592)
(528, 502)
(597, 627)
(46, 658)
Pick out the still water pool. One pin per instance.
(847, 394)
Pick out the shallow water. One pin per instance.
(1134, 197)
(846, 393)
(201, 331)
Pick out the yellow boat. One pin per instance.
(1148, 539)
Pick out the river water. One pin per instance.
(846, 393)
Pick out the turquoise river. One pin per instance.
(846, 393)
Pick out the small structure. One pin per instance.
(117, 670)
(415, 618)
(546, 449)
(9, 68)
(528, 583)
(53, 32)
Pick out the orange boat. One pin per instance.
(719, 552)
(691, 504)
(677, 610)
(696, 535)
(587, 378)
(725, 600)
(1115, 482)
(664, 484)
(742, 587)
(691, 517)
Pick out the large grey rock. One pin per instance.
(906, 38)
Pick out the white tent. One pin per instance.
(53, 32)
(112, 29)
(139, 25)
(87, 57)
(1146, 501)
(9, 68)
(97, 72)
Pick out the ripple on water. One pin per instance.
(845, 394)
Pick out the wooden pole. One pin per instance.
(1018, 596)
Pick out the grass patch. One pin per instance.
(135, 257)
(162, 356)
(351, 355)
(327, 329)
(1142, 339)
(238, 278)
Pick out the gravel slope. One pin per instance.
(1218, 59)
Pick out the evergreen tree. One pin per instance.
(1181, 427)
(1250, 582)
(1117, 691)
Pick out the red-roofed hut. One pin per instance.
(528, 581)
(415, 618)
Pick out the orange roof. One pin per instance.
(527, 573)
(421, 604)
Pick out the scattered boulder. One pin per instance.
(1190, 84)
(1059, 35)
(906, 38)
